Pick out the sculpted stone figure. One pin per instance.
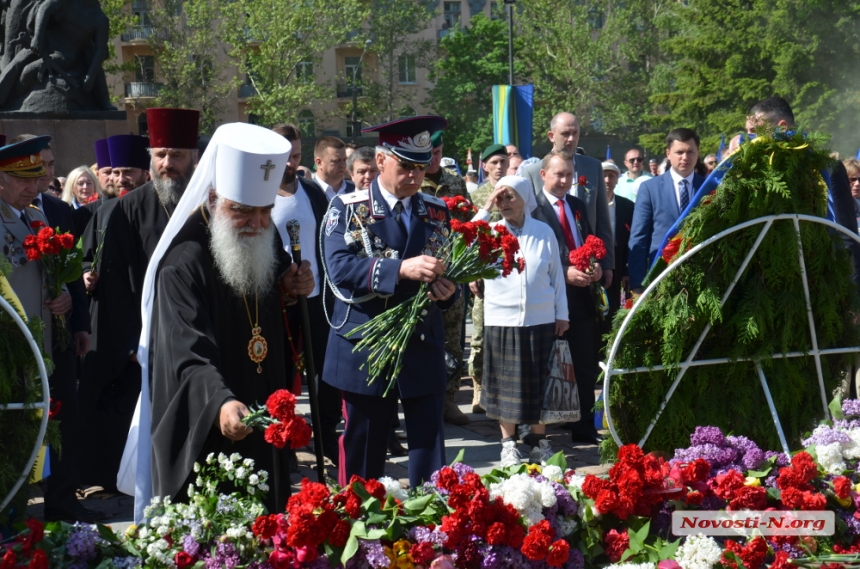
(52, 56)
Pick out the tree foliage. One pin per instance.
(271, 40)
(475, 58)
(185, 44)
(392, 26)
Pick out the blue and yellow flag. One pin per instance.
(513, 115)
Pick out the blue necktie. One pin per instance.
(685, 195)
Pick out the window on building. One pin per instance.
(596, 18)
(497, 10)
(142, 125)
(144, 68)
(451, 11)
(141, 11)
(406, 69)
(305, 72)
(307, 123)
(350, 127)
(352, 71)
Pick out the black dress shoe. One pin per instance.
(75, 513)
(585, 438)
(395, 448)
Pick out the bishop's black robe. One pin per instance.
(199, 360)
(110, 383)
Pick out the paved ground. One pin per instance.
(480, 439)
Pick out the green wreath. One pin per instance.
(19, 383)
(766, 313)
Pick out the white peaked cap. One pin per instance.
(233, 165)
(250, 163)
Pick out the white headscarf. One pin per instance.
(244, 163)
(523, 187)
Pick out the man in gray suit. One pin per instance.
(564, 135)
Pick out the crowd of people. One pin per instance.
(186, 313)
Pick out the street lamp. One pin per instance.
(356, 124)
(509, 8)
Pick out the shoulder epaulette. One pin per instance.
(354, 197)
(433, 199)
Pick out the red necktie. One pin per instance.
(565, 226)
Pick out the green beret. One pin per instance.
(492, 150)
(436, 138)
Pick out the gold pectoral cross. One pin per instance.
(268, 167)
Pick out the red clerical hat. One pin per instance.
(172, 128)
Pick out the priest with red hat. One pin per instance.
(110, 387)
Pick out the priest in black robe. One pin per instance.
(111, 384)
(218, 297)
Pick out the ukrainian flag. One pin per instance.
(513, 113)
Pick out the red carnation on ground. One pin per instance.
(39, 560)
(726, 484)
(781, 561)
(8, 561)
(422, 553)
(265, 527)
(447, 479)
(697, 471)
(340, 534)
(538, 541)
(183, 560)
(842, 487)
(694, 498)
(559, 553)
(749, 498)
(615, 544)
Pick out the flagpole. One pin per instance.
(509, 5)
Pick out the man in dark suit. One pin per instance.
(378, 249)
(566, 215)
(564, 135)
(621, 215)
(660, 202)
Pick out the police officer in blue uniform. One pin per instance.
(378, 248)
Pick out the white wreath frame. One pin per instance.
(689, 361)
(44, 405)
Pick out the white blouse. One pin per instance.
(535, 296)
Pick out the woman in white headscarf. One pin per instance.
(523, 315)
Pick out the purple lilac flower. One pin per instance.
(793, 552)
(462, 469)
(565, 502)
(492, 559)
(851, 407)
(751, 455)
(843, 424)
(708, 435)
(661, 522)
(260, 565)
(375, 553)
(713, 503)
(79, 564)
(514, 559)
(420, 534)
(190, 546)
(717, 456)
(225, 557)
(824, 435)
(576, 560)
(725, 468)
(83, 541)
(852, 523)
(782, 459)
(320, 562)
(126, 562)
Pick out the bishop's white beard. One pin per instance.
(246, 264)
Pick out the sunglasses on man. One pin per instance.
(406, 165)
(637, 159)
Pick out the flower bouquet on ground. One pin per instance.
(584, 258)
(213, 529)
(61, 262)
(279, 421)
(474, 251)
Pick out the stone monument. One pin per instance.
(51, 76)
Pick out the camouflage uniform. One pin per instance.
(476, 355)
(450, 185)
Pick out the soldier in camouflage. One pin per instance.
(441, 182)
(495, 164)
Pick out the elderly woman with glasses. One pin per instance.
(523, 315)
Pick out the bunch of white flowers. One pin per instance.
(526, 494)
(834, 445)
(698, 552)
(553, 473)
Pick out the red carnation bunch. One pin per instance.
(539, 545)
(615, 544)
(61, 264)
(635, 484)
(752, 554)
(584, 257)
(794, 482)
(842, 487)
(278, 417)
(460, 208)
(494, 521)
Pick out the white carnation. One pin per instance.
(526, 495)
(210, 458)
(830, 457)
(235, 457)
(576, 481)
(698, 552)
(393, 488)
(851, 450)
(196, 467)
(263, 487)
(241, 472)
(248, 462)
(253, 479)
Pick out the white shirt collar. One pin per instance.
(329, 190)
(676, 177)
(391, 200)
